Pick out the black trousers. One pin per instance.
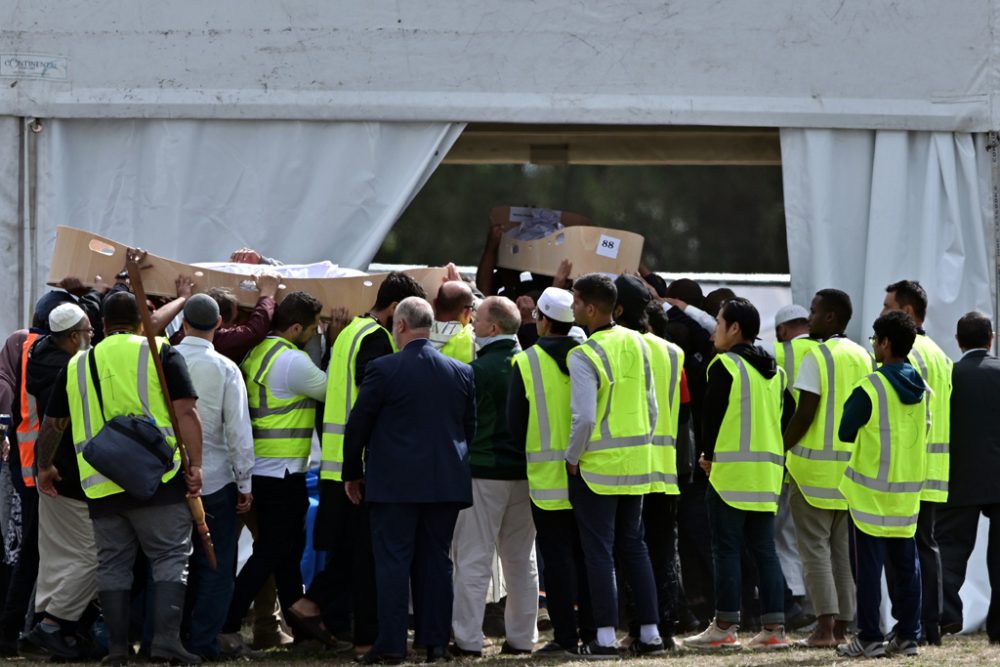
(659, 519)
(558, 541)
(281, 537)
(412, 546)
(24, 572)
(695, 549)
(345, 588)
(955, 529)
(930, 566)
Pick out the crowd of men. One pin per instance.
(627, 450)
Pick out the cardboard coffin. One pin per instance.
(85, 255)
(590, 248)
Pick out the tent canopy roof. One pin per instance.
(919, 64)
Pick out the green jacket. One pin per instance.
(493, 454)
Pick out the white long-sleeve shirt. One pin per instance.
(227, 438)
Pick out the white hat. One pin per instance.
(65, 316)
(790, 312)
(557, 304)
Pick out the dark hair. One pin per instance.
(396, 287)
(657, 282)
(120, 308)
(740, 311)
(687, 291)
(555, 326)
(637, 321)
(598, 290)
(910, 293)
(713, 300)
(837, 302)
(657, 319)
(295, 308)
(974, 330)
(899, 328)
(227, 302)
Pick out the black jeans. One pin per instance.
(611, 526)
(281, 536)
(733, 528)
(694, 546)
(659, 522)
(955, 529)
(24, 571)
(345, 588)
(558, 541)
(872, 553)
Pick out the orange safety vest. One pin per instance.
(27, 430)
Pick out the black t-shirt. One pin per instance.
(180, 386)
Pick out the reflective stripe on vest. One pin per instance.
(282, 427)
(341, 392)
(817, 461)
(935, 368)
(85, 415)
(748, 462)
(30, 424)
(549, 417)
(618, 459)
(666, 361)
(887, 503)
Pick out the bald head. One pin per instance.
(453, 302)
(497, 315)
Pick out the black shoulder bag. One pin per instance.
(129, 450)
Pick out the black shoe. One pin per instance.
(437, 654)
(594, 651)
(952, 628)
(551, 648)
(507, 649)
(373, 658)
(51, 642)
(932, 633)
(640, 648)
(460, 652)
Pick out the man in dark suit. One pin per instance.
(975, 463)
(412, 423)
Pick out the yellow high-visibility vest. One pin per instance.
(341, 392)
(789, 355)
(282, 427)
(935, 368)
(618, 459)
(749, 462)
(887, 470)
(547, 389)
(667, 361)
(461, 346)
(818, 460)
(131, 388)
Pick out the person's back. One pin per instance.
(935, 368)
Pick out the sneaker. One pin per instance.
(769, 639)
(715, 638)
(594, 651)
(641, 649)
(857, 648)
(898, 646)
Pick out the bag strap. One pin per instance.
(95, 378)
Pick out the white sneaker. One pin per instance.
(715, 638)
(770, 639)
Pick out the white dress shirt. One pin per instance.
(227, 439)
(293, 373)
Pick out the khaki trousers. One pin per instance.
(67, 558)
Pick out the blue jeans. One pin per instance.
(612, 526)
(906, 587)
(732, 527)
(210, 592)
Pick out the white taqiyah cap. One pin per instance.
(557, 304)
(65, 316)
(790, 312)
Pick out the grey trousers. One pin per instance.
(163, 532)
(822, 538)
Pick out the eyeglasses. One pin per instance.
(873, 340)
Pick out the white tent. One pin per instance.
(195, 127)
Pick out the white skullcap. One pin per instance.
(65, 316)
(557, 304)
(789, 313)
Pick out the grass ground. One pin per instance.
(966, 650)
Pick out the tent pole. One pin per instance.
(993, 143)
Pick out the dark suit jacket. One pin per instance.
(975, 431)
(413, 421)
